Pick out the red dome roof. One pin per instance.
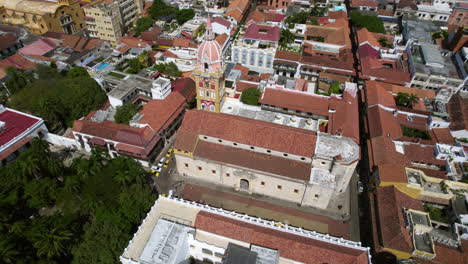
(209, 52)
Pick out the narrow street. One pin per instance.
(365, 219)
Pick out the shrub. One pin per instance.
(250, 96)
(372, 23)
(415, 133)
(124, 113)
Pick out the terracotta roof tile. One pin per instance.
(359, 3)
(159, 114)
(443, 136)
(390, 204)
(457, 109)
(285, 214)
(290, 246)
(7, 40)
(316, 104)
(383, 123)
(245, 131)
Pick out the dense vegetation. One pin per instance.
(59, 99)
(286, 38)
(169, 68)
(125, 113)
(142, 24)
(84, 213)
(160, 9)
(372, 23)
(415, 133)
(250, 96)
(406, 100)
(436, 213)
(137, 64)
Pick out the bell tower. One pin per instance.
(208, 73)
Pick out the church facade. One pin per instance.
(39, 17)
(208, 73)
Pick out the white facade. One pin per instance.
(220, 29)
(161, 88)
(256, 57)
(436, 12)
(328, 176)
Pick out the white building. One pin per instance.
(161, 88)
(176, 230)
(436, 12)
(256, 48)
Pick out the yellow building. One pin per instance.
(40, 17)
(110, 19)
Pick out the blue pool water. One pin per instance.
(102, 66)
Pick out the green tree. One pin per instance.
(124, 113)
(298, 18)
(142, 24)
(18, 79)
(335, 88)
(40, 193)
(406, 100)
(184, 15)
(372, 23)
(286, 38)
(168, 68)
(250, 96)
(134, 66)
(77, 71)
(159, 9)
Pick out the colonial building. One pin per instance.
(177, 230)
(40, 17)
(209, 73)
(253, 156)
(17, 129)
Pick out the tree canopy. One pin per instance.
(77, 71)
(372, 23)
(125, 113)
(59, 100)
(160, 9)
(286, 38)
(250, 96)
(83, 213)
(142, 24)
(169, 68)
(406, 100)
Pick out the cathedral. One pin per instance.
(39, 17)
(208, 73)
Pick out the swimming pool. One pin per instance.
(102, 66)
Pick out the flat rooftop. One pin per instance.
(234, 107)
(129, 84)
(424, 54)
(14, 124)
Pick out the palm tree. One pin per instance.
(8, 251)
(29, 166)
(51, 243)
(412, 100)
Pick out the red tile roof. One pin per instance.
(39, 47)
(75, 42)
(245, 131)
(263, 32)
(316, 104)
(383, 123)
(457, 109)
(16, 61)
(253, 160)
(7, 40)
(376, 94)
(359, 3)
(287, 214)
(390, 204)
(220, 21)
(184, 86)
(443, 136)
(289, 246)
(16, 123)
(159, 114)
(10, 150)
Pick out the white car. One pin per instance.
(161, 162)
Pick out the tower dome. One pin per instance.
(209, 52)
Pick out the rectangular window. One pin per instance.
(262, 183)
(186, 165)
(201, 92)
(279, 187)
(296, 191)
(227, 174)
(199, 168)
(207, 251)
(219, 255)
(213, 171)
(213, 95)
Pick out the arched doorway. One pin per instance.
(244, 185)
